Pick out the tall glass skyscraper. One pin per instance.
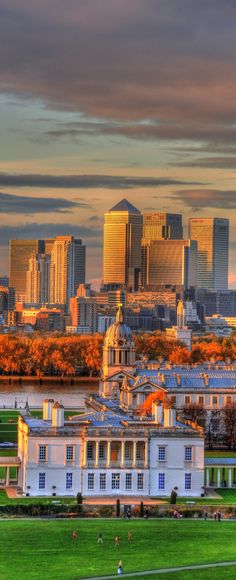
(20, 253)
(162, 226)
(212, 235)
(122, 245)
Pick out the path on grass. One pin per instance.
(164, 571)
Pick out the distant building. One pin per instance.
(212, 236)
(122, 246)
(67, 269)
(50, 320)
(20, 253)
(38, 279)
(84, 313)
(181, 332)
(162, 226)
(169, 263)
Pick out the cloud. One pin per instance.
(206, 198)
(29, 231)
(81, 182)
(22, 204)
(210, 162)
(126, 62)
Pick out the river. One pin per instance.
(71, 396)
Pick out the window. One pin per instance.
(161, 481)
(69, 478)
(89, 451)
(42, 453)
(188, 480)
(161, 454)
(187, 400)
(70, 453)
(214, 400)
(90, 481)
(188, 454)
(42, 480)
(101, 451)
(173, 399)
(102, 480)
(115, 481)
(228, 400)
(140, 481)
(128, 450)
(128, 481)
(201, 400)
(140, 450)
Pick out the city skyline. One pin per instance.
(118, 101)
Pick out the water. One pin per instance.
(71, 396)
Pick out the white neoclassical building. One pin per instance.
(109, 451)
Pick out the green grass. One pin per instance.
(31, 550)
(207, 574)
(8, 431)
(222, 453)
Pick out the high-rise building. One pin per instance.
(169, 263)
(20, 253)
(212, 235)
(84, 314)
(122, 246)
(67, 268)
(162, 226)
(38, 279)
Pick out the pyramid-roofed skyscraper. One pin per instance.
(122, 246)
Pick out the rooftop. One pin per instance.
(125, 205)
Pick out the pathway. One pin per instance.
(164, 571)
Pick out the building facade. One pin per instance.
(212, 235)
(169, 263)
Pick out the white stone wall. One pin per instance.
(122, 488)
(175, 467)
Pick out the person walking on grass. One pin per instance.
(120, 569)
(117, 541)
(100, 540)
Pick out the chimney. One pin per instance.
(57, 415)
(206, 380)
(47, 409)
(169, 417)
(157, 411)
(163, 379)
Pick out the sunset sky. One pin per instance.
(105, 99)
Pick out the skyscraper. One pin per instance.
(67, 268)
(212, 235)
(162, 226)
(122, 245)
(169, 263)
(38, 279)
(20, 253)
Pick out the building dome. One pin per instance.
(118, 334)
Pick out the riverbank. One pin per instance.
(46, 379)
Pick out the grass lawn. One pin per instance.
(207, 574)
(32, 550)
(8, 431)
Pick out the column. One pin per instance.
(96, 453)
(122, 453)
(218, 477)
(134, 453)
(108, 453)
(85, 453)
(229, 477)
(207, 477)
(7, 476)
(146, 454)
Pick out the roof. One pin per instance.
(214, 461)
(125, 205)
(189, 378)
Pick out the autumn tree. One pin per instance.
(229, 418)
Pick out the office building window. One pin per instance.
(42, 480)
(90, 481)
(102, 481)
(140, 481)
(188, 454)
(70, 453)
(128, 481)
(188, 480)
(115, 481)
(69, 478)
(161, 454)
(42, 453)
(161, 481)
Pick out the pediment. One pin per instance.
(147, 387)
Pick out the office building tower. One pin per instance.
(122, 246)
(212, 235)
(84, 315)
(20, 253)
(38, 279)
(162, 226)
(169, 263)
(67, 269)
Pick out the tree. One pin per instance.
(195, 412)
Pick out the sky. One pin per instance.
(106, 99)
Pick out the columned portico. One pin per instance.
(115, 453)
(220, 472)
